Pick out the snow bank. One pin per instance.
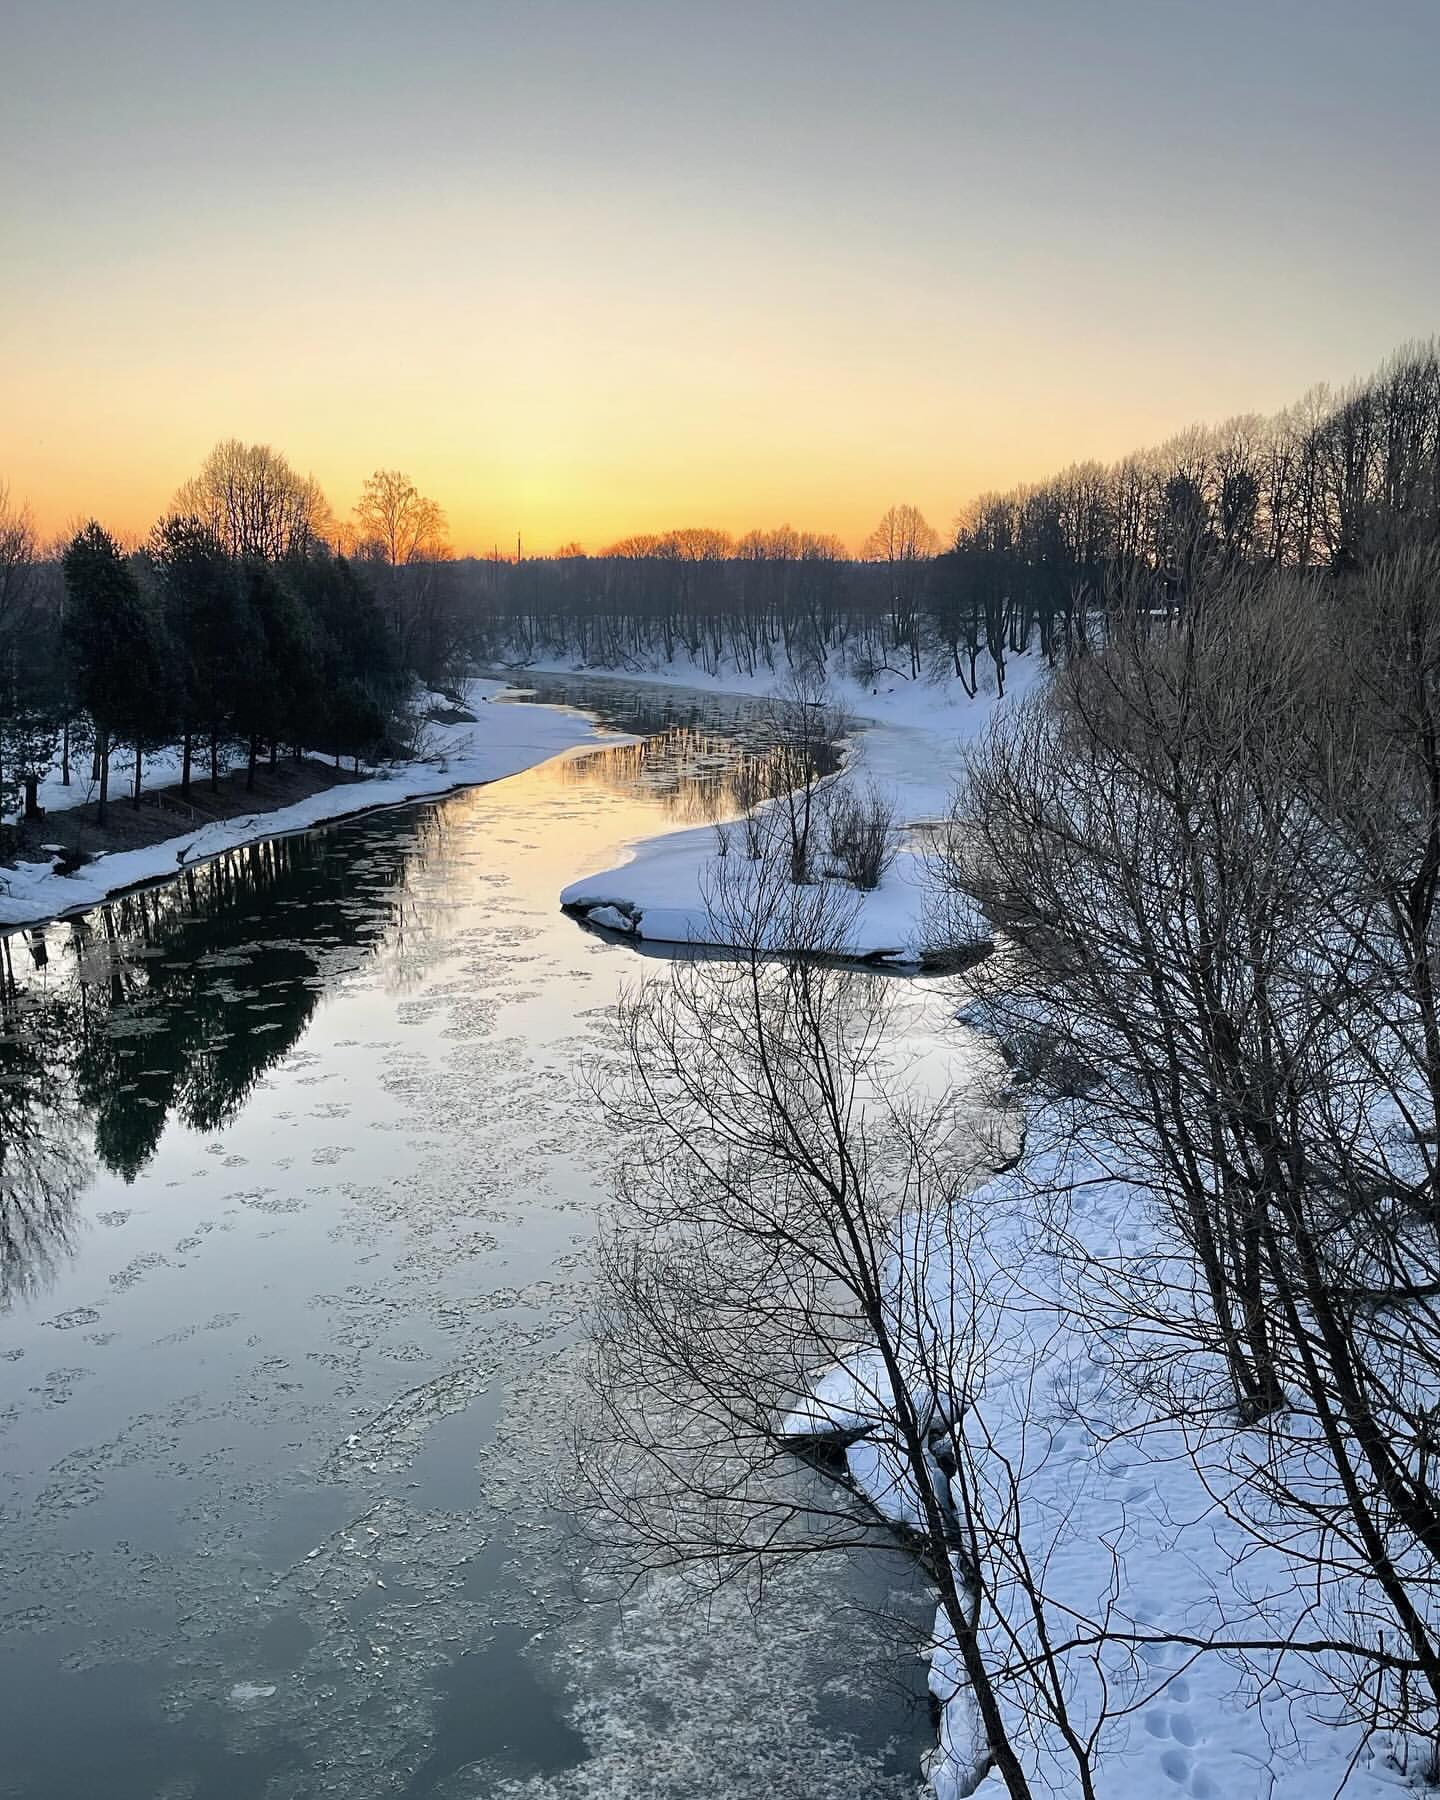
(907, 744)
(661, 895)
(503, 741)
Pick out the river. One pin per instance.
(297, 1189)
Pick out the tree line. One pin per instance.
(240, 625)
(1327, 485)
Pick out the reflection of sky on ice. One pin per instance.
(282, 1410)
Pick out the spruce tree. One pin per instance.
(212, 631)
(104, 621)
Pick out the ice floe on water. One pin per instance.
(246, 1693)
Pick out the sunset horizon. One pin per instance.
(583, 275)
(584, 516)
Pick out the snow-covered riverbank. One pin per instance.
(503, 740)
(906, 746)
(1131, 1521)
(660, 897)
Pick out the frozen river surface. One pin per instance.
(296, 1196)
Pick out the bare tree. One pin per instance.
(406, 525)
(17, 555)
(809, 727)
(1217, 852)
(786, 1268)
(404, 532)
(254, 502)
(860, 834)
(904, 541)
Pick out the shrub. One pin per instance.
(861, 832)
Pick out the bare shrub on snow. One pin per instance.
(860, 834)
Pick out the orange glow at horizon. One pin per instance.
(590, 399)
(582, 278)
(556, 464)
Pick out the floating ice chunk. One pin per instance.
(611, 917)
(246, 1693)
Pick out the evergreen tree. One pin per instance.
(29, 706)
(212, 631)
(105, 627)
(116, 644)
(362, 679)
(279, 688)
(149, 717)
(31, 711)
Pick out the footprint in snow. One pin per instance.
(1176, 1765)
(1175, 1725)
(1174, 1722)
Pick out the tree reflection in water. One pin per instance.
(704, 756)
(698, 775)
(172, 1001)
(44, 1163)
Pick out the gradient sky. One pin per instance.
(585, 268)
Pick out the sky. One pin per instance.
(588, 267)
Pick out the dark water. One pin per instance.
(296, 1189)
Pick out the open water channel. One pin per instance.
(297, 1185)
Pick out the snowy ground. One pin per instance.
(503, 741)
(1125, 1518)
(906, 746)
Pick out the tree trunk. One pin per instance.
(185, 757)
(32, 798)
(102, 770)
(65, 754)
(139, 772)
(250, 772)
(214, 763)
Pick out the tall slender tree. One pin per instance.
(109, 638)
(211, 629)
